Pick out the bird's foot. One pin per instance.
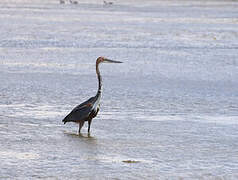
(89, 135)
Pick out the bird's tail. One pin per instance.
(66, 119)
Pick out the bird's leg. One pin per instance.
(80, 125)
(89, 124)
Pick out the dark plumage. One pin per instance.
(88, 110)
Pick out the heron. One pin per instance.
(73, 2)
(107, 3)
(88, 110)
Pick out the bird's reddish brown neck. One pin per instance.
(99, 78)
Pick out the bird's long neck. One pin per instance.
(99, 80)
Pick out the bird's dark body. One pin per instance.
(81, 112)
(88, 110)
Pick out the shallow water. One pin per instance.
(170, 111)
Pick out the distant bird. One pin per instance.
(107, 3)
(62, 2)
(88, 110)
(73, 2)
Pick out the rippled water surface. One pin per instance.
(170, 111)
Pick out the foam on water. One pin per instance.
(20, 156)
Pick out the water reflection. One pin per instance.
(80, 135)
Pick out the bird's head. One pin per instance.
(105, 60)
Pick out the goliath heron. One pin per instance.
(88, 110)
(73, 2)
(107, 3)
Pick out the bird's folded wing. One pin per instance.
(90, 100)
(80, 112)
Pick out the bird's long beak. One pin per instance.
(111, 61)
